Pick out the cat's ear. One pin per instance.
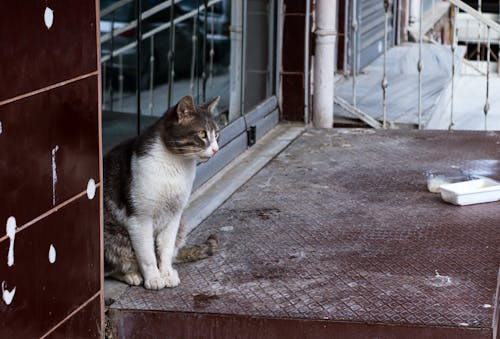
(185, 108)
(210, 105)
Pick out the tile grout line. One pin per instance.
(49, 212)
(78, 309)
(48, 88)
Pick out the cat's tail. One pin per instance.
(197, 252)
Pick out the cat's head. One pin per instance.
(191, 130)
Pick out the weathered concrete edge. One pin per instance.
(213, 193)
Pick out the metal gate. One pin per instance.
(365, 24)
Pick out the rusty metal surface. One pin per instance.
(340, 227)
(133, 324)
(44, 57)
(50, 132)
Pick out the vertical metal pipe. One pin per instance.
(171, 56)
(487, 104)
(453, 46)
(306, 61)
(324, 63)
(151, 73)
(420, 65)
(138, 36)
(354, 32)
(384, 78)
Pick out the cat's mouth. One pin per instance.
(204, 159)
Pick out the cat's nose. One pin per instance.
(215, 149)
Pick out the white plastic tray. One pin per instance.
(471, 192)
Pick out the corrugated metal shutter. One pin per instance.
(370, 34)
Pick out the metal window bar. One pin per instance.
(243, 57)
(171, 57)
(420, 65)
(204, 53)
(103, 68)
(160, 28)
(194, 41)
(354, 32)
(487, 104)
(384, 78)
(211, 54)
(453, 47)
(490, 24)
(111, 61)
(151, 73)
(114, 7)
(270, 61)
(138, 71)
(133, 24)
(467, 40)
(121, 80)
(478, 47)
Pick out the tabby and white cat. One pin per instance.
(147, 184)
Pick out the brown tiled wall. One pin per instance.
(292, 71)
(49, 152)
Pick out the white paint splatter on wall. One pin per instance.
(11, 233)
(54, 174)
(52, 254)
(7, 295)
(48, 17)
(91, 189)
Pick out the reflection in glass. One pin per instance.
(185, 49)
(259, 56)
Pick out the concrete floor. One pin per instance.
(339, 228)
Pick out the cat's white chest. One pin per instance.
(161, 182)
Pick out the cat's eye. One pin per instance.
(217, 135)
(202, 134)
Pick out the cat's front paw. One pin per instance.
(133, 278)
(171, 277)
(155, 283)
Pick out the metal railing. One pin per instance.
(167, 5)
(490, 24)
(455, 6)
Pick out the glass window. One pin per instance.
(187, 49)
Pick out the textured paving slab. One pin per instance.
(340, 227)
